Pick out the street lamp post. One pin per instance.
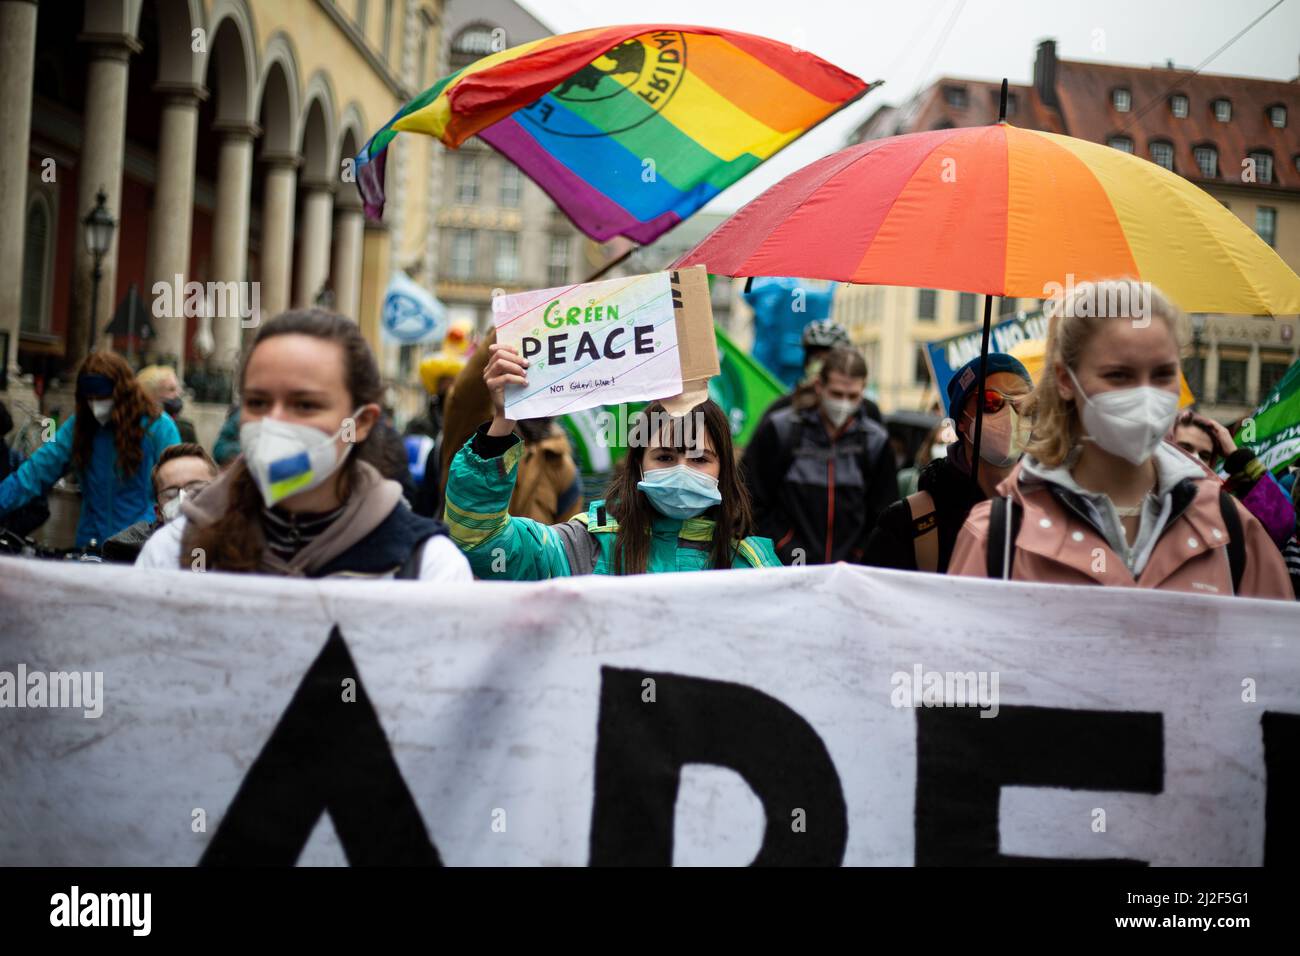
(1198, 326)
(99, 236)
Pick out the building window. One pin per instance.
(1122, 100)
(1207, 160)
(1178, 105)
(1011, 104)
(510, 184)
(1262, 160)
(1277, 116)
(36, 248)
(557, 262)
(1266, 223)
(467, 179)
(921, 370)
(1270, 373)
(479, 40)
(1162, 154)
(925, 304)
(506, 261)
(966, 307)
(462, 254)
(955, 96)
(1232, 381)
(361, 16)
(1122, 143)
(406, 361)
(1223, 110)
(1006, 307)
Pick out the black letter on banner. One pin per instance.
(963, 761)
(1282, 768)
(641, 748)
(325, 754)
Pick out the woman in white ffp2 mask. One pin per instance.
(1099, 498)
(302, 500)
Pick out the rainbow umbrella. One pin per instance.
(630, 129)
(1001, 211)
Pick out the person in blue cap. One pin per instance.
(918, 533)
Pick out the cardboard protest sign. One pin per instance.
(595, 344)
(818, 715)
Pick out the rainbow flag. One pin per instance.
(628, 129)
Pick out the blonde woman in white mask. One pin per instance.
(303, 500)
(1099, 498)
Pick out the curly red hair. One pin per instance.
(130, 405)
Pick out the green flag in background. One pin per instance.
(1276, 424)
(743, 387)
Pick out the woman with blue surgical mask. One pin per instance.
(676, 502)
(303, 499)
(1099, 497)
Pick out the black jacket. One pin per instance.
(818, 498)
(891, 543)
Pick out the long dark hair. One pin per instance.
(130, 405)
(633, 511)
(234, 542)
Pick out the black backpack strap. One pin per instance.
(1004, 526)
(1236, 539)
(410, 571)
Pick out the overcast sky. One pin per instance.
(903, 44)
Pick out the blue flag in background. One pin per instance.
(411, 314)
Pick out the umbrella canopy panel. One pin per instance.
(1001, 211)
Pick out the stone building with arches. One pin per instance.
(220, 133)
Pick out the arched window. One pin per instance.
(1122, 143)
(479, 40)
(1222, 110)
(38, 244)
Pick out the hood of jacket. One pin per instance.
(371, 500)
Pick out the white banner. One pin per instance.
(799, 715)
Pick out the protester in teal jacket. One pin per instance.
(676, 504)
(112, 443)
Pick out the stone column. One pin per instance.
(349, 231)
(230, 240)
(278, 196)
(103, 139)
(173, 210)
(316, 233)
(376, 259)
(17, 55)
(1211, 396)
(1252, 372)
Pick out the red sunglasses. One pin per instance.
(995, 401)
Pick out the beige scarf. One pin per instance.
(372, 499)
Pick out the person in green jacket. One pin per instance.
(676, 502)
